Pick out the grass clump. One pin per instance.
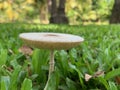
(98, 56)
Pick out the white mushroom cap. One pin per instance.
(52, 41)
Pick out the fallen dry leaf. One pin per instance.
(8, 68)
(98, 74)
(26, 50)
(117, 79)
(87, 77)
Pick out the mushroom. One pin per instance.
(51, 41)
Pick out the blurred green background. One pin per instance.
(38, 11)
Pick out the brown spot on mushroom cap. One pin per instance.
(51, 41)
(51, 35)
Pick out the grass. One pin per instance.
(98, 56)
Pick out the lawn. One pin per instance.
(94, 64)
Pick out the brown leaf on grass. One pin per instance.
(26, 50)
(10, 69)
(117, 79)
(98, 73)
(87, 77)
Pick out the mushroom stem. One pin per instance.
(51, 67)
(51, 63)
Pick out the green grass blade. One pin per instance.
(112, 74)
(104, 82)
(53, 81)
(112, 86)
(79, 74)
(5, 82)
(27, 84)
(3, 57)
(39, 59)
(14, 78)
(71, 84)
